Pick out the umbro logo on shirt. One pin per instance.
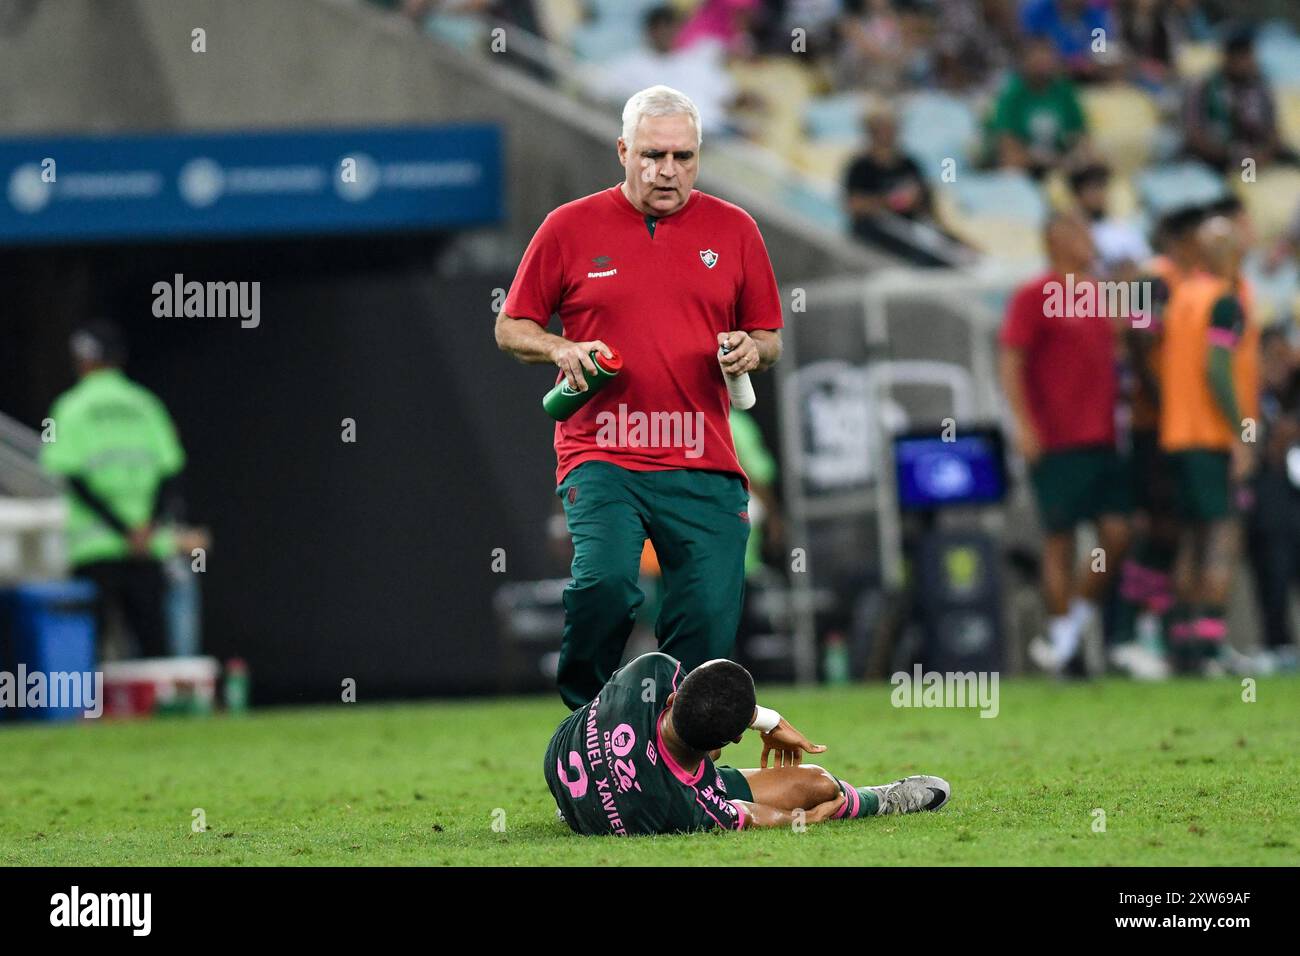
(599, 261)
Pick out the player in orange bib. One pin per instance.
(1210, 391)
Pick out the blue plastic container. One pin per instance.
(50, 628)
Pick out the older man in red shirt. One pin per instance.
(666, 275)
(1059, 374)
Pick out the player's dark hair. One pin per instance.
(1181, 223)
(660, 16)
(1088, 175)
(714, 705)
(99, 340)
(1229, 206)
(1239, 38)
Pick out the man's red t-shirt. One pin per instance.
(1071, 383)
(660, 300)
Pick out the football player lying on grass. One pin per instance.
(639, 759)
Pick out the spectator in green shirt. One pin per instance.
(116, 448)
(1037, 120)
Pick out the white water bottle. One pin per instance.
(739, 387)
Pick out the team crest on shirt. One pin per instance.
(709, 258)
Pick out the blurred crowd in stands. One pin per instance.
(972, 118)
(1147, 141)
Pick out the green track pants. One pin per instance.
(698, 522)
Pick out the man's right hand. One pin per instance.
(139, 539)
(574, 357)
(1027, 443)
(824, 811)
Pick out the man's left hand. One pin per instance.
(788, 744)
(743, 356)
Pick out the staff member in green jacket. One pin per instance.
(116, 448)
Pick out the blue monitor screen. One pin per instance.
(933, 473)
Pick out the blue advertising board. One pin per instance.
(222, 185)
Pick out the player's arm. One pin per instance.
(531, 344)
(1141, 340)
(1226, 323)
(758, 815)
(1140, 343)
(1011, 370)
(769, 347)
(79, 487)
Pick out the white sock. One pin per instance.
(1064, 635)
(1082, 613)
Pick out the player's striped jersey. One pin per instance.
(610, 774)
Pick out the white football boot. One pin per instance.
(911, 794)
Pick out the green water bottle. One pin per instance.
(562, 401)
(236, 686)
(835, 659)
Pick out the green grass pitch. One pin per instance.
(1185, 772)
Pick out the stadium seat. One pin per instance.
(559, 19)
(463, 32)
(837, 118)
(1182, 184)
(1278, 50)
(935, 127)
(1000, 213)
(1277, 293)
(784, 87)
(1271, 200)
(1004, 194)
(825, 161)
(819, 206)
(1288, 115)
(601, 40)
(1197, 59)
(1122, 123)
(1010, 242)
(632, 10)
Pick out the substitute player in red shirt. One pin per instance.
(666, 275)
(1059, 375)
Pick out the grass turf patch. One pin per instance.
(1185, 772)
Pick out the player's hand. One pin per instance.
(1027, 443)
(743, 356)
(824, 811)
(788, 745)
(574, 357)
(1243, 462)
(139, 539)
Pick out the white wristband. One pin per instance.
(765, 720)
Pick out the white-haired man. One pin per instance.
(666, 275)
